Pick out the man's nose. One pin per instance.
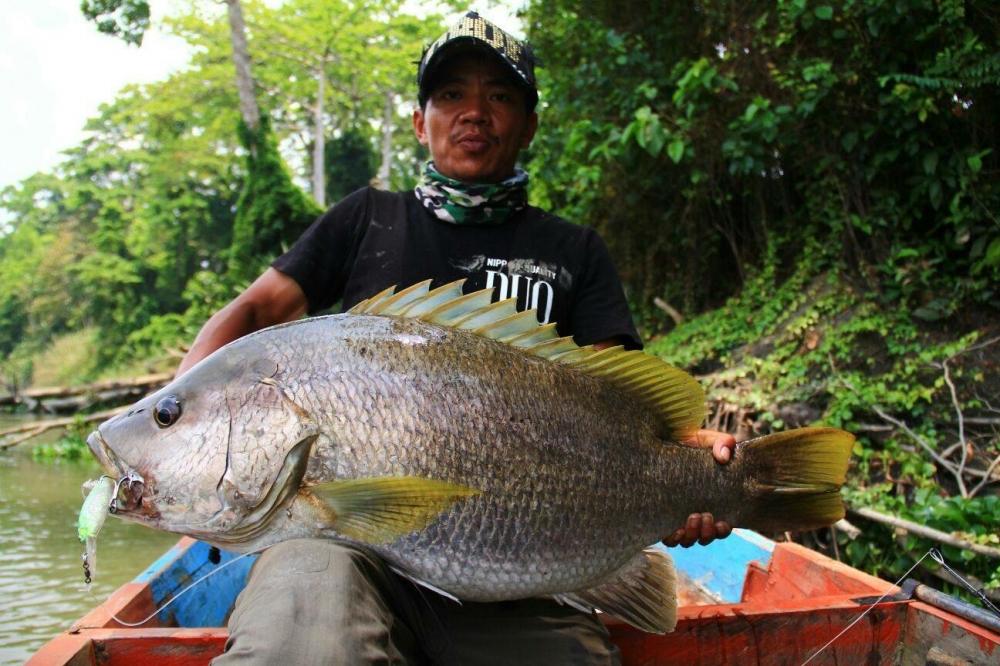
(475, 109)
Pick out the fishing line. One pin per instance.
(930, 553)
(179, 594)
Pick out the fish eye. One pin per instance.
(167, 411)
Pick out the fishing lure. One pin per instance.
(93, 513)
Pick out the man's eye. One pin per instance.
(502, 97)
(450, 95)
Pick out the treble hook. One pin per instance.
(131, 478)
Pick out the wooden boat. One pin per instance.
(744, 600)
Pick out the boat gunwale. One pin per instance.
(770, 603)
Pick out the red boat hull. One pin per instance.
(789, 611)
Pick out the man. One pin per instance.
(314, 601)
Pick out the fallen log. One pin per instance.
(31, 430)
(41, 394)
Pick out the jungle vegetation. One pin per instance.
(802, 198)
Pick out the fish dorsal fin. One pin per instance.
(371, 304)
(400, 301)
(434, 298)
(672, 393)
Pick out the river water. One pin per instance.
(41, 574)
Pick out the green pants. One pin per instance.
(313, 601)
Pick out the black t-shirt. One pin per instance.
(373, 239)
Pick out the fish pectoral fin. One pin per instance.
(379, 510)
(642, 593)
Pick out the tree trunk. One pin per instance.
(319, 145)
(241, 58)
(382, 179)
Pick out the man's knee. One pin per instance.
(311, 601)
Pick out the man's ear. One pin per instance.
(530, 129)
(418, 126)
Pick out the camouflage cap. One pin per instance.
(474, 30)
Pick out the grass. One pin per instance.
(68, 361)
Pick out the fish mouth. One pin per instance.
(99, 447)
(129, 483)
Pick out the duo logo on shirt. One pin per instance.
(524, 280)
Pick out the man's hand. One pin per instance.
(702, 527)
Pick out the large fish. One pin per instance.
(470, 447)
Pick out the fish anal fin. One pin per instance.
(642, 593)
(380, 510)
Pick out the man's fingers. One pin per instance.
(722, 449)
(692, 530)
(706, 532)
(674, 538)
(700, 528)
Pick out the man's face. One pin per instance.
(475, 122)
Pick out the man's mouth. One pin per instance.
(475, 143)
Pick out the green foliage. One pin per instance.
(971, 519)
(813, 184)
(71, 446)
(271, 212)
(350, 164)
(695, 136)
(127, 19)
(164, 211)
(801, 344)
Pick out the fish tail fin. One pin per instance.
(797, 477)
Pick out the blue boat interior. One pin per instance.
(717, 569)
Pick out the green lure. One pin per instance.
(93, 513)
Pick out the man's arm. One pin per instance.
(700, 527)
(273, 298)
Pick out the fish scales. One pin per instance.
(416, 400)
(478, 467)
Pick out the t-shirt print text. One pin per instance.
(525, 280)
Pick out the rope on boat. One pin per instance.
(178, 595)
(875, 603)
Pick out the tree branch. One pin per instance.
(926, 532)
(987, 477)
(924, 445)
(961, 426)
(669, 309)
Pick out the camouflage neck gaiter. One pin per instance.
(458, 202)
